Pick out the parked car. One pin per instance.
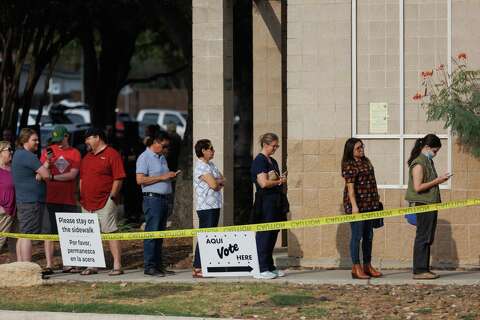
(162, 117)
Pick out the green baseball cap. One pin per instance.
(59, 133)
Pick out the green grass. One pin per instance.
(469, 316)
(424, 310)
(314, 312)
(147, 292)
(291, 299)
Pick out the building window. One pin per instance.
(392, 42)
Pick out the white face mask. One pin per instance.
(429, 154)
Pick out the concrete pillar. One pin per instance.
(267, 71)
(212, 23)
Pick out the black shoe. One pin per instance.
(153, 272)
(165, 271)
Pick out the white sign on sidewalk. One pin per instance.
(227, 254)
(80, 239)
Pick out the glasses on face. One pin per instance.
(7, 149)
(274, 146)
(211, 148)
(165, 146)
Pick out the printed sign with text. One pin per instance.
(80, 239)
(226, 254)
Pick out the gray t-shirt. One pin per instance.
(24, 169)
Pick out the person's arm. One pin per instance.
(351, 197)
(211, 181)
(116, 186)
(71, 175)
(419, 185)
(43, 171)
(144, 180)
(2, 210)
(264, 183)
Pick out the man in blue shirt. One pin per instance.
(28, 175)
(153, 174)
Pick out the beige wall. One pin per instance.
(319, 121)
(267, 71)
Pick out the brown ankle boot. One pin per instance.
(371, 271)
(357, 272)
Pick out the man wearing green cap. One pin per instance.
(64, 162)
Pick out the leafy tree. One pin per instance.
(455, 99)
(31, 33)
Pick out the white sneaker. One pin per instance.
(265, 275)
(279, 273)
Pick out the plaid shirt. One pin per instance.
(362, 175)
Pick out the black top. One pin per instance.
(263, 164)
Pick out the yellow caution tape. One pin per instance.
(293, 224)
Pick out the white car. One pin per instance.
(162, 117)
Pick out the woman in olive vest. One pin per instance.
(423, 188)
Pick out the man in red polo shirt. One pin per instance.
(101, 175)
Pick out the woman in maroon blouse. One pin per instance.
(360, 195)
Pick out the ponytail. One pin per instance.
(430, 140)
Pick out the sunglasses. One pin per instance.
(7, 149)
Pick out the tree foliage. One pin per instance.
(455, 99)
(32, 33)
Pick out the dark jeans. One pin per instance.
(266, 240)
(206, 219)
(361, 231)
(426, 226)
(156, 213)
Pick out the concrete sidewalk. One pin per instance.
(35, 315)
(318, 277)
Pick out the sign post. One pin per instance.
(227, 254)
(80, 239)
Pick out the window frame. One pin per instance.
(402, 136)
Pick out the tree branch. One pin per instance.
(155, 76)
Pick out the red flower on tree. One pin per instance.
(417, 96)
(462, 56)
(426, 74)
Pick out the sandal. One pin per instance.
(197, 273)
(88, 272)
(47, 271)
(115, 272)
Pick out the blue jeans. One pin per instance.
(361, 231)
(206, 219)
(156, 214)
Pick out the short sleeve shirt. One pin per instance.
(362, 175)
(7, 192)
(206, 197)
(261, 164)
(62, 161)
(24, 169)
(97, 172)
(152, 165)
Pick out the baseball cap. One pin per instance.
(58, 133)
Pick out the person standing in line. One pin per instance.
(101, 175)
(28, 177)
(360, 195)
(207, 183)
(271, 204)
(64, 164)
(153, 174)
(423, 188)
(7, 190)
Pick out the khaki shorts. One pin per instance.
(107, 217)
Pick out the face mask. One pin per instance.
(429, 155)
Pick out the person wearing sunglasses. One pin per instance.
(155, 178)
(7, 190)
(207, 184)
